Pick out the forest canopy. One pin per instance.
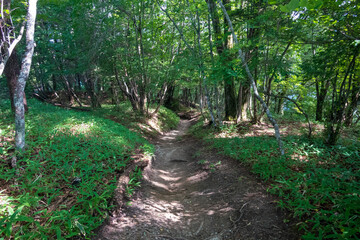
(240, 63)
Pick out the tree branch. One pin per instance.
(177, 28)
(298, 106)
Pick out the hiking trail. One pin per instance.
(190, 192)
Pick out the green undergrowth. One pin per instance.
(67, 175)
(319, 184)
(164, 120)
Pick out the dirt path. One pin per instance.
(189, 192)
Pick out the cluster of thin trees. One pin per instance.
(235, 60)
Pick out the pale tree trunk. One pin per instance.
(24, 74)
(250, 76)
(8, 39)
(202, 73)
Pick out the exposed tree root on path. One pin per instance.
(189, 192)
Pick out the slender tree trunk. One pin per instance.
(72, 95)
(339, 102)
(9, 62)
(300, 109)
(229, 85)
(241, 55)
(24, 74)
(126, 91)
(354, 99)
(202, 72)
(161, 102)
(229, 91)
(218, 117)
(321, 92)
(7, 39)
(255, 117)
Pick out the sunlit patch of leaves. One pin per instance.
(66, 176)
(163, 121)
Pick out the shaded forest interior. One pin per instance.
(87, 85)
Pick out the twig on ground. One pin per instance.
(241, 214)
(199, 229)
(169, 237)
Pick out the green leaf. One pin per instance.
(81, 227)
(303, 3)
(284, 8)
(58, 232)
(293, 4)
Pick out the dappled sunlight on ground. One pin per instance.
(82, 127)
(171, 135)
(154, 124)
(248, 129)
(182, 197)
(6, 205)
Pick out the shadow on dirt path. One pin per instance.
(189, 192)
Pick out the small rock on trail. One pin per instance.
(182, 199)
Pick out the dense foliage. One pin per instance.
(125, 60)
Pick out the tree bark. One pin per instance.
(321, 92)
(12, 71)
(91, 89)
(229, 85)
(8, 41)
(353, 102)
(24, 74)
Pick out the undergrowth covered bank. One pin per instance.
(68, 173)
(319, 184)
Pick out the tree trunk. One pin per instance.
(255, 117)
(229, 86)
(242, 57)
(8, 40)
(339, 102)
(353, 102)
(321, 92)
(319, 108)
(12, 71)
(243, 102)
(24, 74)
(162, 97)
(91, 89)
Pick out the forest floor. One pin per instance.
(190, 192)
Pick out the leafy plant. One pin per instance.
(67, 174)
(202, 161)
(213, 166)
(134, 182)
(228, 128)
(318, 183)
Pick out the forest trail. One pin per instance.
(189, 192)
